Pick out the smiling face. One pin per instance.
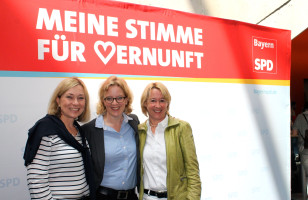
(156, 106)
(114, 109)
(72, 103)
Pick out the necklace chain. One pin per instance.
(152, 125)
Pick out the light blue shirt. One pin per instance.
(120, 155)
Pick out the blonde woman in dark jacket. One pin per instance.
(114, 142)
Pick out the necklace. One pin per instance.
(152, 124)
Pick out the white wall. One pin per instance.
(240, 131)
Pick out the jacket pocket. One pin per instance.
(183, 184)
(183, 178)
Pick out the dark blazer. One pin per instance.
(95, 137)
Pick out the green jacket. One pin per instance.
(183, 180)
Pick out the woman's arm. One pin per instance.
(37, 172)
(191, 163)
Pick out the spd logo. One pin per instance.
(264, 54)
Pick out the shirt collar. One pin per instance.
(99, 122)
(162, 124)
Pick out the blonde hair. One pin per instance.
(65, 85)
(114, 81)
(146, 93)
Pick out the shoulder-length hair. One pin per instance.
(65, 85)
(146, 93)
(114, 81)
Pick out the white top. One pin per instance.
(57, 171)
(154, 158)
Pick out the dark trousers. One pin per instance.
(85, 198)
(104, 193)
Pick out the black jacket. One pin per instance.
(95, 137)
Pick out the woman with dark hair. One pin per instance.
(57, 156)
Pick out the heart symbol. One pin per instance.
(104, 45)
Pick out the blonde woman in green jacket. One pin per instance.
(169, 165)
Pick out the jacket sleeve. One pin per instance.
(190, 162)
(95, 138)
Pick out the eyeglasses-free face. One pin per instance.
(156, 106)
(115, 102)
(72, 103)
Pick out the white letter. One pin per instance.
(152, 28)
(77, 48)
(134, 54)
(162, 32)
(132, 29)
(189, 58)
(199, 56)
(160, 57)
(43, 17)
(82, 23)
(69, 21)
(99, 26)
(255, 42)
(121, 54)
(55, 49)
(41, 48)
(198, 36)
(184, 36)
(263, 63)
(270, 65)
(112, 26)
(177, 58)
(143, 31)
(151, 56)
(257, 67)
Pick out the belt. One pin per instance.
(119, 194)
(85, 198)
(157, 194)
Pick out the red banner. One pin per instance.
(108, 37)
